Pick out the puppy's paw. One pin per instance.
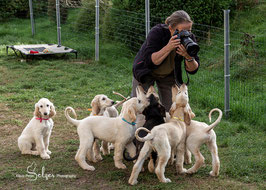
(120, 166)
(184, 171)
(167, 180)
(131, 182)
(190, 171)
(213, 174)
(45, 156)
(89, 168)
(98, 158)
(94, 160)
(48, 152)
(36, 153)
(188, 161)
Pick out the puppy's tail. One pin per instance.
(69, 119)
(148, 137)
(217, 120)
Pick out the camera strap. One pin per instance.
(178, 73)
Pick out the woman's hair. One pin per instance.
(178, 17)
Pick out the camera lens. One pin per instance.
(192, 49)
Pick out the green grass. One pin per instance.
(70, 82)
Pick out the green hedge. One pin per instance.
(86, 17)
(207, 12)
(52, 11)
(14, 8)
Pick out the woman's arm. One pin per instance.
(191, 65)
(158, 57)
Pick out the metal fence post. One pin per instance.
(226, 63)
(147, 16)
(31, 18)
(58, 22)
(97, 31)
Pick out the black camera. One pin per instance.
(191, 47)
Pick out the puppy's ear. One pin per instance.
(95, 105)
(190, 111)
(132, 114)
(36, 111)
(52, 111)
(151, 90)
(187, 115)
(175, 90)
(172, 109)
(183, 87)
(140, 91)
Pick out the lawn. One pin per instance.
(67, 81)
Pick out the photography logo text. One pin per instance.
(32, 174)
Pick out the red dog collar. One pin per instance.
(41, 119)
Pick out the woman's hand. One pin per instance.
(181, 50)
(173, 43)
(191, 64)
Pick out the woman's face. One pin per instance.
(184, 26)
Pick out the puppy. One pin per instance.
(106, 147)
(38, 131)
(119, 130)
(199, 133)
(99, 105)
(154, 115)
(187, 158)
(165, 138)
(102, 106)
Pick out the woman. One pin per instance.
(160, 57)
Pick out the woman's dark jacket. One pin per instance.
(157, 38)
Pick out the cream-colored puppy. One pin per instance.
(102, 106)
(99, 106)
(38, 131)
(119, 130)
(165, 138)
(199, 133)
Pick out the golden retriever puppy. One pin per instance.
(36, 134)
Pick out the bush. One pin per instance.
(245, 4)
(209, 12)
(52, 11)
(86, 16)
(14, 8)
(40, 8)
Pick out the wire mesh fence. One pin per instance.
(119, 39)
